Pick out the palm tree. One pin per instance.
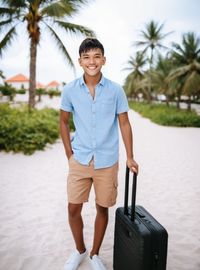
(38, 16)
(152, 38)
(132, 81)
(187, 58)
(159, 77)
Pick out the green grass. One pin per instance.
(25, 132)
(167, 116)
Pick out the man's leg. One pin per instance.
(101, 222)
(76, 225)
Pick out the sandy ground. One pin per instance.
(34, 232)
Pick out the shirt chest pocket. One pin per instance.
(108, 106)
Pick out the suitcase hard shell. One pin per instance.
(140, 241)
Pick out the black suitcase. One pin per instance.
(140, 242)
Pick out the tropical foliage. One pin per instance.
(167, 116)
(8, 90)
(187, 59)
(174, 75)
(136, 66)
(21, 133)
(150, 43)
(152, 37)
(39, 16)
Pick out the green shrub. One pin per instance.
(167, 116)
(25, 132)
(8, 90)
(53, 92)
(39, 93)
(21, 91)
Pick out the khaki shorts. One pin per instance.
(81, 178)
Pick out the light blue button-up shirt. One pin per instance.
(95, 120)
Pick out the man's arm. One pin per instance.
(65, 132)
(127, 137)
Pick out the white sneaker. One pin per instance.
(75, 260)
(96, 263)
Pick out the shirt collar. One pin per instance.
(102, 81)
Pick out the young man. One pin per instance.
(97, 105)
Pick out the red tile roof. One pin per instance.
(18, 78)
(40, 85)
(53, 84)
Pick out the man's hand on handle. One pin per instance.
(132, 164)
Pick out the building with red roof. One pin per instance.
(18, 81)
(53, 85)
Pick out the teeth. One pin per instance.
(91, 67)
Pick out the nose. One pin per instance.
(91, 60)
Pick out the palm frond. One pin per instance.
(189, 51)
(162, 46)
(192, 83)
(178, 48)
(61, 46)
(75, 28)
(6, 41)
(5, 23)
(157, 29)
(141, 43)
(15, 4)
(76, 4)
(58, 9)
(167, 34)
(4, 11)
(144, 34)
(178, 72)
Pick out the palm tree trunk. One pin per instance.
(150, 79)
(189, 104)
(167, 101)
(178, 102)
(32, 72)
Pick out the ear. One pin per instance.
(79, 60)
(104, 60)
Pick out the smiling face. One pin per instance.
(92, 61)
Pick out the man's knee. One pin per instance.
(74, 210)
(101, 210)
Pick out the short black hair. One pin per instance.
(90, 43)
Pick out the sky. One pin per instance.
(117, 25)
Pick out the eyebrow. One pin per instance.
(87, 54)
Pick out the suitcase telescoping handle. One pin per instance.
(134, 185)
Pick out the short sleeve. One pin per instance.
(66, 104)
(122, 102)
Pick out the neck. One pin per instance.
(92, 80)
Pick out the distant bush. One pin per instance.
(25, 132)
(167, 116)
(8, 90)
(39, 93)
(21, 91)
(53, 92)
